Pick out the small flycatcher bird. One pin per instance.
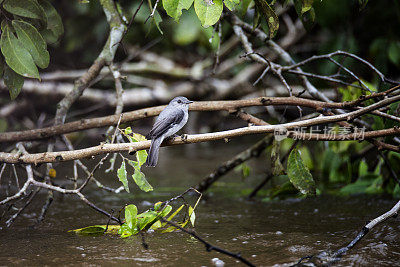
(167, 124)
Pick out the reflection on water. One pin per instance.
(266, 233)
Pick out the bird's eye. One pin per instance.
(179, 101)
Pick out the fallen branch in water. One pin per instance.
(336, 256)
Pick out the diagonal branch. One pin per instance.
(117, 29)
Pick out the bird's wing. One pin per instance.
(164, 123)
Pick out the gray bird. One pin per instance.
(167, 124)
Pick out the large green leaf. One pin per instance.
(13, 81)
(270, 16)
(208, 11)
(139, 177)
(174, 7)
(121, 172)
(141, 181)
(16, 55)
(131, 216)
(188, 30)
(299, 175)
(25, 8)
(55, 26)
(33, 42)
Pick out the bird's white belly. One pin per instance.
(179, 126)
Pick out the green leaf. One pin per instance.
(156, 225)
(270, 16)
(231, 4)
(13, 81)
(394, 53)
(192, 215)
(130, 216)
(172, 228)
(33, 42)
(243, 7)
(157, 205)
(141, 156)
(125, 231)
(146, 219)
(141, 181)
(277, 167)
(157, 20)
(188, 30)
(96, 230)
(165, 211)
(133, 137)
(362, 169)
(55, 27)
(256, 18)
(305, 12)
(307, 5)
(121, 172)
(244, 168)
(17, 57)
(175, 212)
(139, 177)
(208, 11)
(90, 230)
(25, 8)
(299, 175)
(174, 7)
(362, 3)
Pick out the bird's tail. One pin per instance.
(152, 158)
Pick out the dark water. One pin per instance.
(266, 233)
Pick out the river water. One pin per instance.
(276, 233)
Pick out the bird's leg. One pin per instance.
(184, 137)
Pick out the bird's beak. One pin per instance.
(189, 102)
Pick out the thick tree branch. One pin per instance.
(230, 106)
(189, 139)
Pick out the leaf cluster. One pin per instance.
(152, 219)
(27, 26)
(138, 176)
